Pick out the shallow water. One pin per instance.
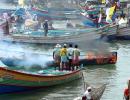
(115, 76)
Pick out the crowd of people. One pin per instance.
(20, 23)
(66, 57)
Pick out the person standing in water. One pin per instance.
(45, 26)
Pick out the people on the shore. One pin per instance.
(109, 19)
(5, 16)
(19, 22)
(117, 19)
(100, 20)
(96, 21)
(123, 21)
(7, 28)
(69, 24)
(45, 26)
(70, 52)
(87, 95)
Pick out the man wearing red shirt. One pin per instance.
(126, 94)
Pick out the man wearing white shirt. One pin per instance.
(70, 51)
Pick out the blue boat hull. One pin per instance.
(16, 62)
(115, 37)
(12, 89)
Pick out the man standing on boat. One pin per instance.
(63, 54)
(76, 55)
(56, 54)
(45, 26)
(70, 52)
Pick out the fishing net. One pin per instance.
(97, 92)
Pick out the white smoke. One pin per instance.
(26, 57)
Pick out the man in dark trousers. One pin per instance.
(45, 26)
(6, 31)
(70, 54)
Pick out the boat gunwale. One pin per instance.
(38, 75)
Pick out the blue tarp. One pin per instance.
(89, 22)
(38, 13)
(20, 11)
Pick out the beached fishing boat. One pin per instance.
(13, 81)
(90, 59)
(97, 92)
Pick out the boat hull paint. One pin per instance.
(11, 89)
(15, 81)
(119, 34)
(116, 37)
(11, 62)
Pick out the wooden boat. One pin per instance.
(108, 58)
(97, 92)
(12, 81)
(52, 14)
(77, 36)
(90, 19)
(54, 36)
(116, 33)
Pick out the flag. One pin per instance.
(100, 18)
(111, 11)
